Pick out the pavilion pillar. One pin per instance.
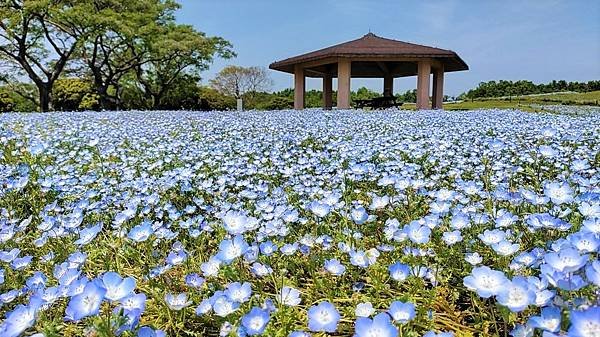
(388, 85)
(438, 88)
(327, 92)
(424, 70)
(299, 87)
(344, 74)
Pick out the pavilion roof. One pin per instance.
(372, 47)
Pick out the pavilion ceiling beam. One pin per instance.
(384, 68)
(316, 72)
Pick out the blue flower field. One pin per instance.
(312, 223)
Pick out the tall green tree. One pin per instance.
(38, 38)
(177, 52)
(118, 43)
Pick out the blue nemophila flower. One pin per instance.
(460, 221)
(260, 270)
(289, 296)
(517, 294)
(299, 334)
(566, 260)
(364, 309)
(37, 280)
(584, 242)
(236, 223)
(176, 257)
(359, 215)
(223, 305)
(87, 303)
(194, 280)
(399, 271)
(319, 209)
(589, 209)
(379, 326)
(239, 292)
(133, 302)
(130, 320)
(204, 307)
(21, 263)
(361, 258)
(473, 258)
(559, 193)
(252, 253)
(9, 256)
(267, 248)
(10, 296)
(592, 225)
(592, 272)
(335, 267)
(379, 202)
(20, 319)
(116, 286)
(149, 332)
(289, 248)
(547, 151)
(402, 312)
(549, 319)
(211, 267)
(521, 330)
(451, 238)
(485, 281)
(323, 317)
(66, 275)
(490, 237)
(229, 250)
(505, 248)
(585, 323)
(88, 234)
(255, 322)
(177, 302)
(417, 233)
(142, 232)
(543, 296)
(562, 280)
(505, 219)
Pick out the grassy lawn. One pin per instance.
(526, 103)
(533, 103)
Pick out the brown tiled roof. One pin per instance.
(373, 46)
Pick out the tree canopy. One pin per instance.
(111, 42)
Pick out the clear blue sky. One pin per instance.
(535, 40)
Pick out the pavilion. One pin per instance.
(372, 56)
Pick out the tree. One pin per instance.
(118, 43)
(38, 37)
(178, 52)
(237, 81)
(211, 99)
(71, 94)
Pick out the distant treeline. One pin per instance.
(504, 88)
(72, 94)
(185, 92)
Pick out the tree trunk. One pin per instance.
(107, 102)
(45, 97)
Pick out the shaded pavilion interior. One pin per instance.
(372, 56)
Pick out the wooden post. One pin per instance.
(438, 88)
(388, 85)
(299, 87)
(344, 74)
(424, 70)
(327, 92)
